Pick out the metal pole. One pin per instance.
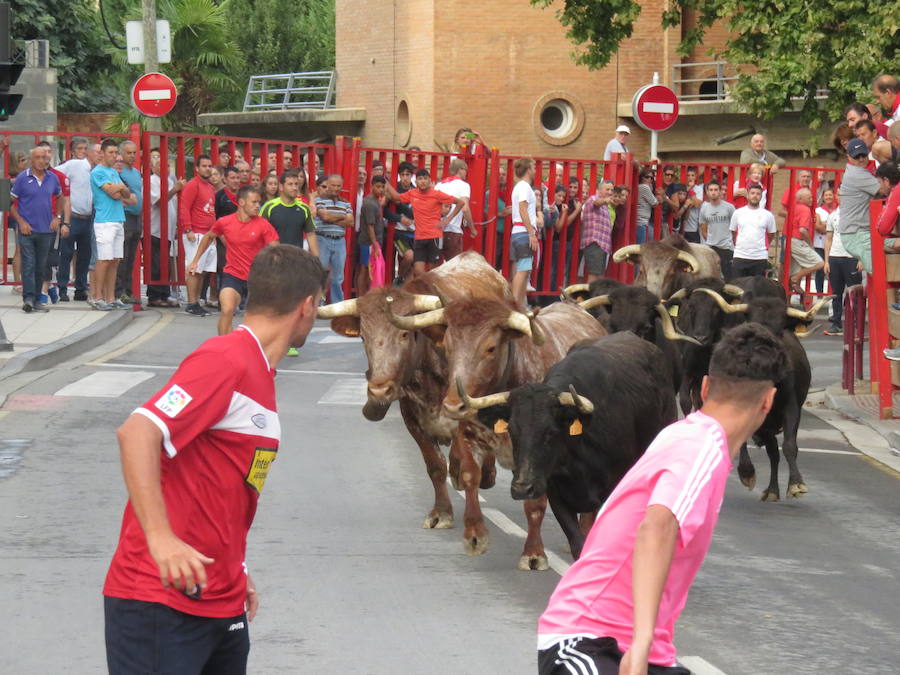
(151, 62)
(654, 136)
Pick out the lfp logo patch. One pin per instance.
(173, 401)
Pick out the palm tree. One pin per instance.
(205, 60)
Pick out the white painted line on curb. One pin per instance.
(699, 666)
(824, 451)
(144, 366)
(110, 384)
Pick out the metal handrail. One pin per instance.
(721, 79)
(261, 95)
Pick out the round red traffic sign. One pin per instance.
(154, 94)
(655, 107)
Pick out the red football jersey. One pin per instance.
(220, 432)
(243, 240)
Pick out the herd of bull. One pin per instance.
(569, 397)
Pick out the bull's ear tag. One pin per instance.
(501, 426)
(575, 428)
(673, 311)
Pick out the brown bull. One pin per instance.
(490, 347)
(405, 366)
(670, 264)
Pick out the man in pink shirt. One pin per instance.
(614, 611)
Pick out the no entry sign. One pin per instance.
(154, 94)
(655, 107)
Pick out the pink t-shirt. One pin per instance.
(684, 469)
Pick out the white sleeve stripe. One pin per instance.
(171, 451)
(702, 460)
(699, 485)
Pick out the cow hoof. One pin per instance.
(768, 496)
(438, 521)
(488, 478)
(476, 545)
(797, 489)
(749, 481)
(529, 563)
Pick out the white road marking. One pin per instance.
(337, 339)
(699, 666)
(105, 384)
(462, 493)
(345, 392)
(130, 365)
(824, 451)
(342, 373)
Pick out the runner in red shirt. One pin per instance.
(614, 610)
(195, 458)
(245, 234)
(427, 203)
(196, 214)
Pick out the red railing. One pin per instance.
(854, 337)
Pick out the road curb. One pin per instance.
(69, 347)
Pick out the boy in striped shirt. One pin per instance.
(614, 611)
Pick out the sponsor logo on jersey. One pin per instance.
(259, 468)
(259, 420)
(173, 401)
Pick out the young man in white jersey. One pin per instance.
(614, 610)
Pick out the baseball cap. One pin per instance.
(623, 127)
(857, 148)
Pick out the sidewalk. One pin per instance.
(862, 407)
(44, 339)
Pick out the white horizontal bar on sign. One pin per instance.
(154, 95)
(651, 107)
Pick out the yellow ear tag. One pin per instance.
(501, 426)
(575, 428)
(673, 310)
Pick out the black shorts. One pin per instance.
(404, 240)
(427, 250)
(147, 637)
(231, 281)
(591, 655)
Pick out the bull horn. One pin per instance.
(808, 315)
(669, 328)
(598, 301)
(480, 402)
(734, 291)
(678, 295)
(686, 257)
(517, 321)
(569, 291)
(625, 252)
(571, 397)
(806, 333)
(426, 303)
(342, 308)
(415, 321)
(724, 305)
(537, 335)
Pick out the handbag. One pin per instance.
(377, 270)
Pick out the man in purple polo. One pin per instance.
(36, 223)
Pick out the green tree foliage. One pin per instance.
(290, 36)
(785, 49)
(77, 50)
(205, 60)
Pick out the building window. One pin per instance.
(403, 124)
(558, 118)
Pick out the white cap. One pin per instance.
(623, 127)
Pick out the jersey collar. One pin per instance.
(245, 327)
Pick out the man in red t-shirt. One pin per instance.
(195, 458)
(427, 203)
(245, 234)
(196, 214)
(804, 259)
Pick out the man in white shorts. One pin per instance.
(110, 197)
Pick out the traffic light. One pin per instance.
(9, 71)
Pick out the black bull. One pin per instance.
(579, 431)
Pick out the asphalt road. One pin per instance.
(350, 583)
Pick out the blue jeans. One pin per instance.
(34, 248)
(644, 233)
(81, 233)
(333, 255)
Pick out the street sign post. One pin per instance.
(154, 94)
(134, 36)
(655, 108)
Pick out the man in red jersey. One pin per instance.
(245, 234)
(427, 204)
(614, 610)
(195, 458)
(196, 214)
